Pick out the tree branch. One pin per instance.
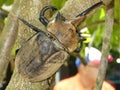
(106, 45)
(97, 23)
(7, 40)
(74, 7)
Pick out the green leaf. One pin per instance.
(58, 3)
(1, 3)
(115, 39)
(6, 2)
(9, 2)
(102, 13)
(117, 9)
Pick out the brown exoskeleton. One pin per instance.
(43, 54)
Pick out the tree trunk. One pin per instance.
(29, 11)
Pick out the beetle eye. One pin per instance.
(70, 29)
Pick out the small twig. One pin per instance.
(79, 56)
(106, 46)
(91, 24)
(98, 22)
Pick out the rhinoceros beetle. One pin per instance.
(46, 51)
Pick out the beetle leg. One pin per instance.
(81, 39)
(43, 19)
(78, 49)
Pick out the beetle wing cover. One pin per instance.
(39, 58)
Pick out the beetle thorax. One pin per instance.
(65, 32)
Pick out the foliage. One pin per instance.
(58, 3)
(98, 30)
(6, 2)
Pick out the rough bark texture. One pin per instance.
(106, 45)
(29, 11)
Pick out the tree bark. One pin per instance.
(29, 11)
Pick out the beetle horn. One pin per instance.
(77, 20)
(81, 17)
(90, 9)
(43, 19)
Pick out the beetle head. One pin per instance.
(65, 31)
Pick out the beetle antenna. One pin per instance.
(43, 19)
(90, 9)
(30, 25)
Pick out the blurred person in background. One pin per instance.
(86, 77)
